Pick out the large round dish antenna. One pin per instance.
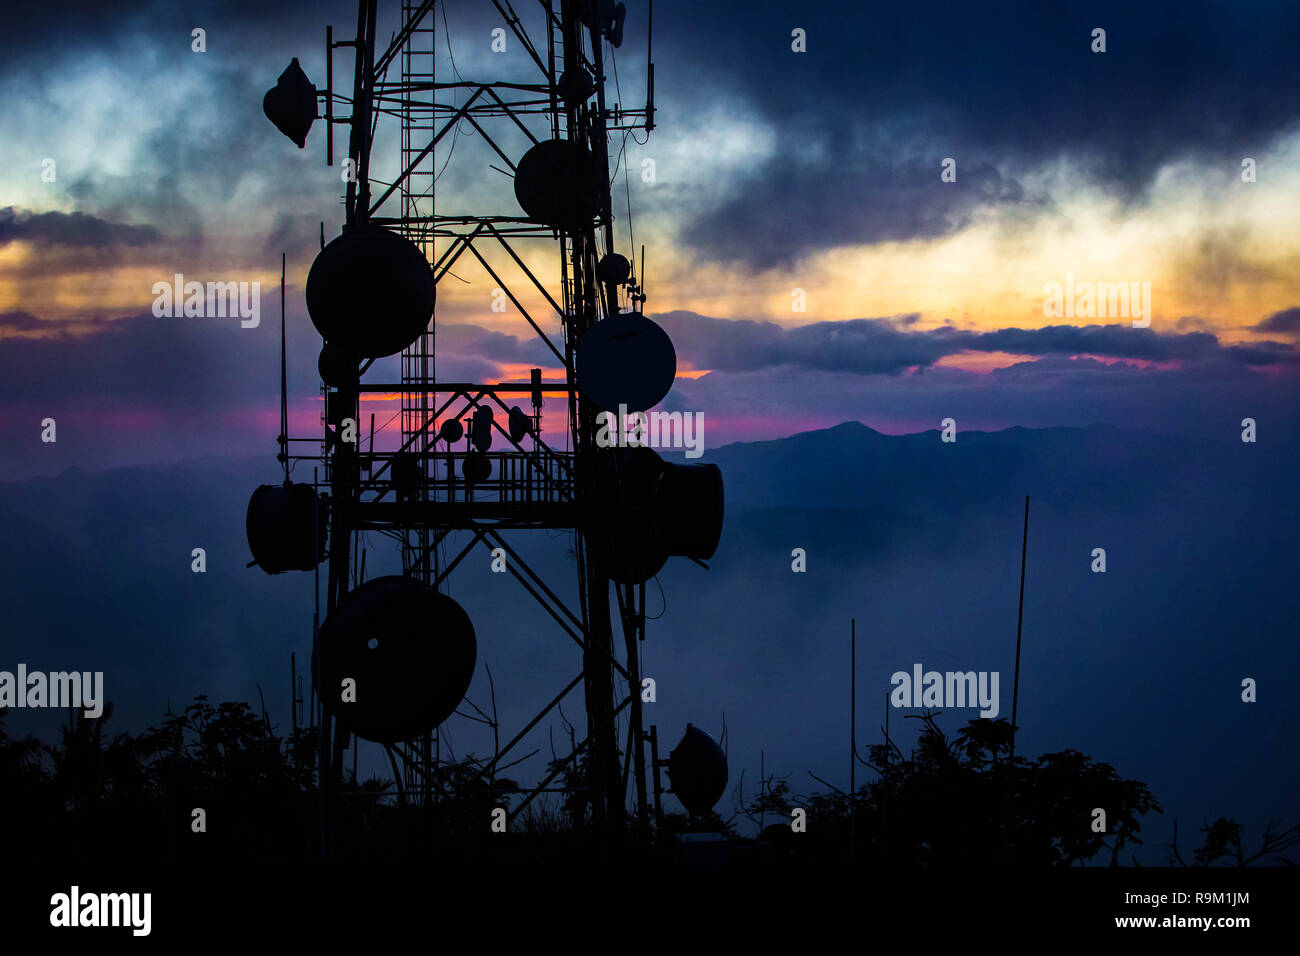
(286, 528)
(626, 360)
(409, 652)
(370, 292)
(555, 184)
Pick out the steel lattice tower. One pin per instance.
(530, 488)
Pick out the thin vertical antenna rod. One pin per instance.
(329, 96)
(317, 713)
(650, 71)
(284, 385)
(1020, 620)
(1015, 692)
(853, 729)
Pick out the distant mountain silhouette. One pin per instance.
(853, 466)
(917, 539)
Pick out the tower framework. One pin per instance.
(421, 492)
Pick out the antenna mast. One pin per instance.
(438, 485)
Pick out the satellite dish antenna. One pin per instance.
(337, 366)
(291, 104)
(579, 89)
(370, 292)
(451, 431)
(286, 528)
(606, 17)
(480, 428)
(477, 469)
(410, 651)
(664, 510)
(689, 505)
(697, 769)
(519, 424)
(555, 183)
(625, 487)
(613, 268)
(626, 360)
(405, 472)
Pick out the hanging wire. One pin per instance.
(663, 600)
(622, 153)
(455, 130)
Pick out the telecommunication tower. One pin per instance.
(407, 649)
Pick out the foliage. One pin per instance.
(962, 801)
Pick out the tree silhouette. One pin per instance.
(23, 788)
(952, 802)
(228, 762)
(19, 759)
(963, 802)
(1222, 844)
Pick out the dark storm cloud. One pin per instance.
(1286, 322)
(213, 147)
(863, 346)
(1121, 341)
(774, 219)
(33, 30)
(75, 229)
(20, 321)
(861, 120)
(189, 176)
(205, 148)
(887, 91)
(884, 346)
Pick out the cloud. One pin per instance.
(455, 339)
(26, 325)
(20, 322)
(883, 94)
(1055, 390)
(184, 370)
(142, 388)
(1221, 259)
(1286, 322)
(184, 365)
(788, 209)
(1194, 323)
(76, 229)
(175, 363)
(888, 346)
(97, 24)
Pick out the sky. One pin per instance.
(801, 244)
(813, 265)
